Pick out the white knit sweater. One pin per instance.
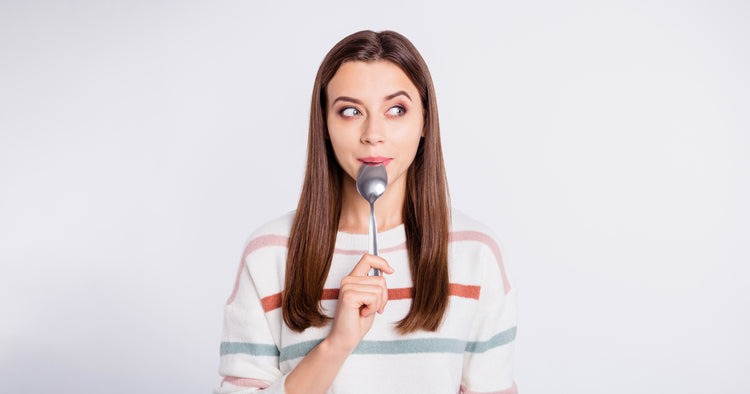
(471, 352)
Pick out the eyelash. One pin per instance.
(400, 107)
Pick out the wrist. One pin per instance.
(333, 350)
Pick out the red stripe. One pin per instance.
(403, 293)
(465, 291)
(457, 290)
(271, 302)
(330, 294)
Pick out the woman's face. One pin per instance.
(374, 116)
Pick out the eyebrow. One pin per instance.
(399, 93)
(388, 97)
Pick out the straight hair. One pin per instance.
(426, 211)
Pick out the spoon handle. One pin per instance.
(373, 234)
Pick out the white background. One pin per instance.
(607, 143)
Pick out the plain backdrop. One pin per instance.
(607, 143)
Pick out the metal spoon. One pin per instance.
(371, 183)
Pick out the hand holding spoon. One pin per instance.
(371, 184)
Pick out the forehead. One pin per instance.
(369, 80)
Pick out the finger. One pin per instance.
(353, 295)
(370, 309)
(369, 261)
(373, 284)
(366, 311)
(363, 299)
(378, 296)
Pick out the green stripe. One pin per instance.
(500, 339)
(298, 350)
(254, 349)
(402, 346)
(422, 345)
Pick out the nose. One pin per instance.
(374, 132)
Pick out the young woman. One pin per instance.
(304, 317)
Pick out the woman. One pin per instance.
(304, 316)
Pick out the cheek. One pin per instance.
(338, 147)
(334, 135)
(412, 136)
(342, 146)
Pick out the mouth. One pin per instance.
(375, 161)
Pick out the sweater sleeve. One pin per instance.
(488, 358)
(249, 355)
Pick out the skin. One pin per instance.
(374, 111)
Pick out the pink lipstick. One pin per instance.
(375, 160)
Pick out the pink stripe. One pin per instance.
(252, 246)
(361, 252)
(245, 382)
(458, 236)
(512, 390)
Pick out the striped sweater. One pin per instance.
(471, 352)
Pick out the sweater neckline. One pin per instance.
(360, 242)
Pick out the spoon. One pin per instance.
(371, 183)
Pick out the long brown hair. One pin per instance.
(426, 211)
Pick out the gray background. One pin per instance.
(606, 143)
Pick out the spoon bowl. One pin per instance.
(371, 182)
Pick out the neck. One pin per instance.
(355, 210)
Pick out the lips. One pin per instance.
(375, 160)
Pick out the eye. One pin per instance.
(350, 112)
(396, 111)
